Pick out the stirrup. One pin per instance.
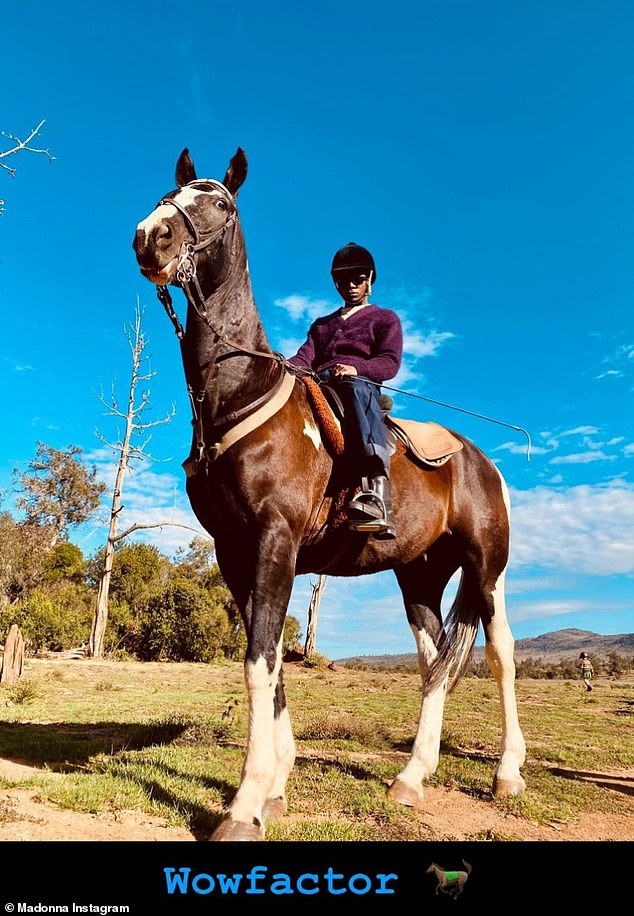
(366, 509)
(370, 511)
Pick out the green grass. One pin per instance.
(168, 740)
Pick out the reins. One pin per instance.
(472, 413)
(187, 275)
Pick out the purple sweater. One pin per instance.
(371, 340)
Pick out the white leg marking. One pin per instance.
(284, 743)
(259, 764)
(426, 747)
(284, 753)
(499, 656)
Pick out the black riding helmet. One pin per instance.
(353, 257)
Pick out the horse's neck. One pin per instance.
(228, 378)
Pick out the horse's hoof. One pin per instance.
(405, 794)
(236, 831)
(275, 808)
(503, 788)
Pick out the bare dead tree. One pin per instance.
(313, 613)
(127, 452)
(20, 146)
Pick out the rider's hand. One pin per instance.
(341, 370)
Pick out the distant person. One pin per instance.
(587, 671)
(355, 350)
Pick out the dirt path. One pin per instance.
(449, 814)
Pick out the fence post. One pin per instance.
(13, 656)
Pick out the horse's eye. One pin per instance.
(221, 203)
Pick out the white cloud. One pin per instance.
(516, 448)
(418, 344)
(580, 431)
(304, 308)
(583, 529)
(538, 610)
(617, 361)
(582, 457)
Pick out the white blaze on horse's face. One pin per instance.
(147, 230)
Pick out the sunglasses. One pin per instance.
(345, 277)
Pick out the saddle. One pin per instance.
(426, 442)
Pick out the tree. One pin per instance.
(127, 452)
(65, 562)
(20, 146)
(58, 490)
(313, 614)
(138, 572)
(198, 565)
(24, 551)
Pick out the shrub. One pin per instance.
(182, 623)
(54, 620)
(22, 691)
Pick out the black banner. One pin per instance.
(180, 878)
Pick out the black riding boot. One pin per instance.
(383, 489)
(371, 510)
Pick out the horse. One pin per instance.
(263, 482)
(450, 882)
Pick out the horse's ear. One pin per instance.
(185, 171)
(236, 173)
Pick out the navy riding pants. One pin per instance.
(363, 424)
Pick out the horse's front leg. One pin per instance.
(270, 752)
(276, 805)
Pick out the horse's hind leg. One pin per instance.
(499, 656)
(422, 595)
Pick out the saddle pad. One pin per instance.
(427, 441)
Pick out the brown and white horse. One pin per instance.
(265, 485)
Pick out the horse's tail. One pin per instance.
(467, 867)
(456, 643)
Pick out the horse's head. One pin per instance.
(190, 222)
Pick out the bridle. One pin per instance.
(187, 276)
(186, 272)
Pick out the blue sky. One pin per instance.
(484, 152)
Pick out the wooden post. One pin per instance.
(13, 657)
(313, 612)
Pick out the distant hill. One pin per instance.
(550, 647)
